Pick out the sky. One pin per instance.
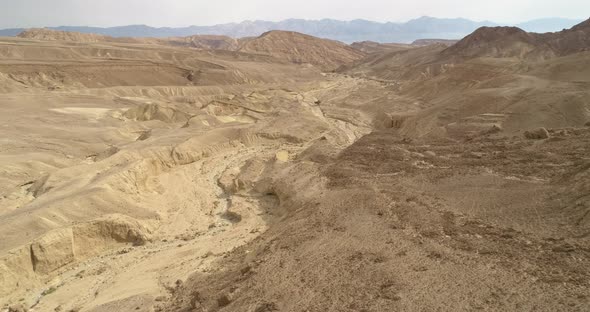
(178, 13)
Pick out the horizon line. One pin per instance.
(311, 20)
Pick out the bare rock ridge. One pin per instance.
(585, 25)
(299, 48)
(496, 42)
(205, 42)
(515, 42)
(284, 45)
(509, 43)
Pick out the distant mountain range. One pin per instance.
(345, 31)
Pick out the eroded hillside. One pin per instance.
(240, 176)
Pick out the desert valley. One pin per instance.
(286, 172)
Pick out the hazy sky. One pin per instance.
(37, 13)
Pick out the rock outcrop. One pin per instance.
(52, 251)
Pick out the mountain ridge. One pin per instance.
(301, 48)
(345, 31)
(516, 42)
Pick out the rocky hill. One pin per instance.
(576, 39)
(515, 42)
(502, 43)
(299, 48)
(496, 42)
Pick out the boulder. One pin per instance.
(282, 156)
(52, 251)
(537, 134)
(16, 271)
(17, 308)
(99, 235)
